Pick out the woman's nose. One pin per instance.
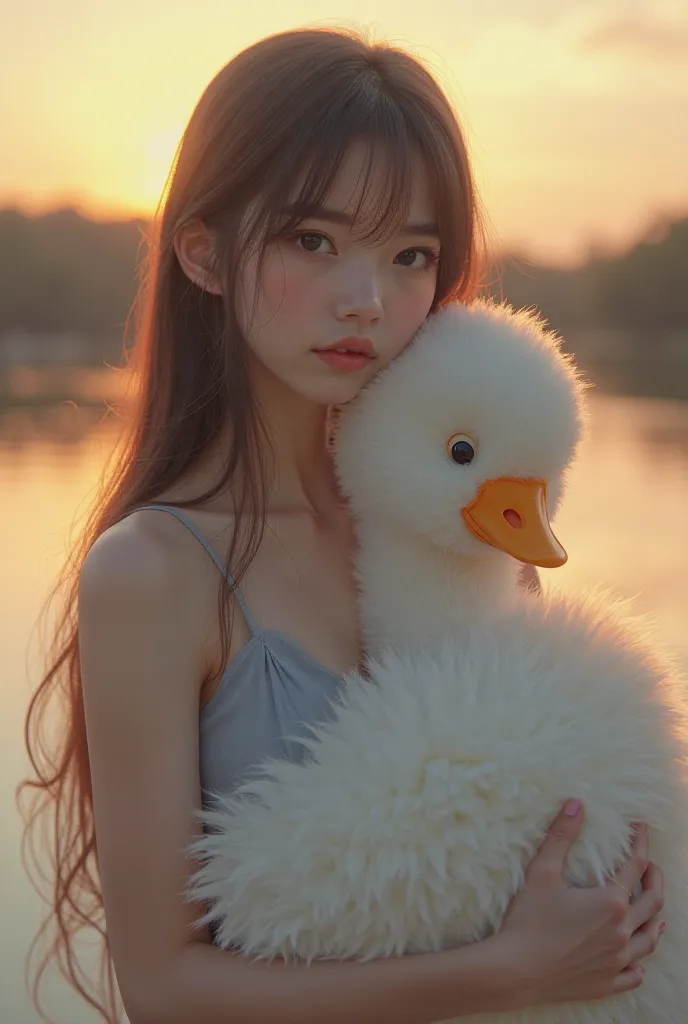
(360, 297)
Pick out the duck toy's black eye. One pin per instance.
(461, 449)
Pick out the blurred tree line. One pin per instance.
(640, 291)
(64, 273)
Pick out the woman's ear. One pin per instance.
(196, 255)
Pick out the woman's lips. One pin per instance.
(343, 360)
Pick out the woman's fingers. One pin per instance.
(644, 914)
(651, 899)
(644, 940)
(628, 979)
(653, 879)
(630, 873)
(549, 861)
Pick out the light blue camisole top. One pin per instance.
(271, 691)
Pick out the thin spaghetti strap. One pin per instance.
(241, 601)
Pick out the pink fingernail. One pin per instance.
(640, 969)
(662, 927)
(572, 807)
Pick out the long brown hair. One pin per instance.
(291, 103)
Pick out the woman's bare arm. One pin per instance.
(407, 990)
(142, 634)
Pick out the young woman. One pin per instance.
(320, 207)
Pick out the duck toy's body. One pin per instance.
(419, 803)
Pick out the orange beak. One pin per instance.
(511, 515)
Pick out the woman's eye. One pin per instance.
(462, 448)
(311, 240)
(429, 258)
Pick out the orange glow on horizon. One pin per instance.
(570, 120)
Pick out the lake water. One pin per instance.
(624, 522)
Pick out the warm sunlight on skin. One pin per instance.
(323, 283)
(571, 109)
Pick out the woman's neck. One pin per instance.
(413, 593)
(302, 477)
(300, 471)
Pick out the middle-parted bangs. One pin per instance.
(397, 129)
(369, 117)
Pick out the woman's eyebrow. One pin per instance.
(429, 228)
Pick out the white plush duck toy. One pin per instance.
(409, 824)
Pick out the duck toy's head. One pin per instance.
(466, 437)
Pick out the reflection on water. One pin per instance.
(34, 409)
(645, 374)
(623, 522)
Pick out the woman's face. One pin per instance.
(324, 285)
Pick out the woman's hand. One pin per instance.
(573, 945)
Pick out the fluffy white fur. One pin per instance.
(409, 825)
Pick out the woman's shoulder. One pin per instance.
(152, 543)
(140, 550)
(147, 573)
(144, 572)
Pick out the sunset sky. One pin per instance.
(576, 110)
